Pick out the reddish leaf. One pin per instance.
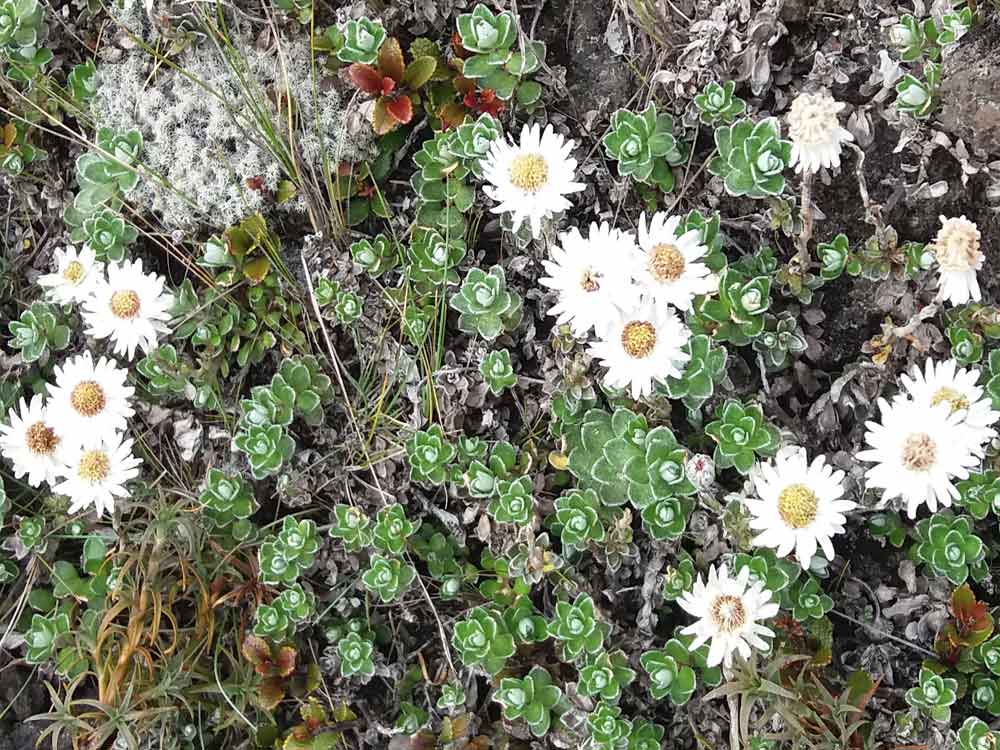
(257, 651)
(366, 78)
(270, 692)
(388, 86)
(390, 59)
(382, 121)
(401, 109)
(451, 115)
(463, 85)
(284, 661)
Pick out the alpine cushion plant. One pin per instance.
(949, 546)
(428, 453)
(704, 371)
(483, 640)
(531, 698)
(934, 695)
(975, 734)
(352, 526)
(229, 501)
(37, 331)
(737, 314)
(578, 515)
(751, 158)
(493, 64)
(363, 38)
(644, 146)
(497, 371)
(608, 729)
(918, 96)
(605, 675)
(485, 305)
(283, 558)
(392, 528)
(576, 627)
(514, 502)
(355, 656)
(375, 256)
(809, 601)
(267, 448)
(388, 577)
(717, 103)
(741, 434)
(668, 676)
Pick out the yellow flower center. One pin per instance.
(88, 398)
(919, 452)
(666, 263)
(40, 438)
(74, 272)
(529, 172)
(588, 282)
(94, 466)
(638, 338)
(727, 613)
(797, 505)
(950, 396)
(125, 304)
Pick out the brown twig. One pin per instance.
(806, 212)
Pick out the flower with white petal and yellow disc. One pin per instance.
(591, 276)
(668, 268)
(798, 506)
(958, 251)
(642, 347)
(131, 308)
(31, 443)
(95, 473)
(729, 612)
(530, 179)
(77, 275)
(918, 451)
(89, 398)
(946, 382)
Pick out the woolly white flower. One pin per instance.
(95, 473)
(130, 307)
(531, 179)
(668, 267)
(946, 382)
(799, 506)
(642, 346)
(958, 253)
(729, 614)
(816, 134)
(591, 275)
(917, 451)
(31, 443)
(89, 399)
(76, 276)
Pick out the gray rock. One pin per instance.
(970, 89)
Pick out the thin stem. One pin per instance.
(807, 222)
(890, 636)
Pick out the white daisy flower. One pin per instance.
(668, 267)
(642, 346)
(799, 506)
(816, 134)
(95, 473)
(531, 179)
(946, 382)
(89, 399)
(130, 307)
(76, 276)
(31, 443)
(958, 253)
(591, 275)
(918, 450)
(729, 613)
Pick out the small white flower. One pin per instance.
(946, 382)
(917, 451)
(642, 346)
(31, 443)
(668, 268)
(816, 134)
(958, 253)
(130, 307)
(729, 614)
(531, 179)
(76, 276)
(591, 275)
(95, 473)
(89, 399)
(799, 506)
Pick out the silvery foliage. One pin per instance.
(205, 145)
